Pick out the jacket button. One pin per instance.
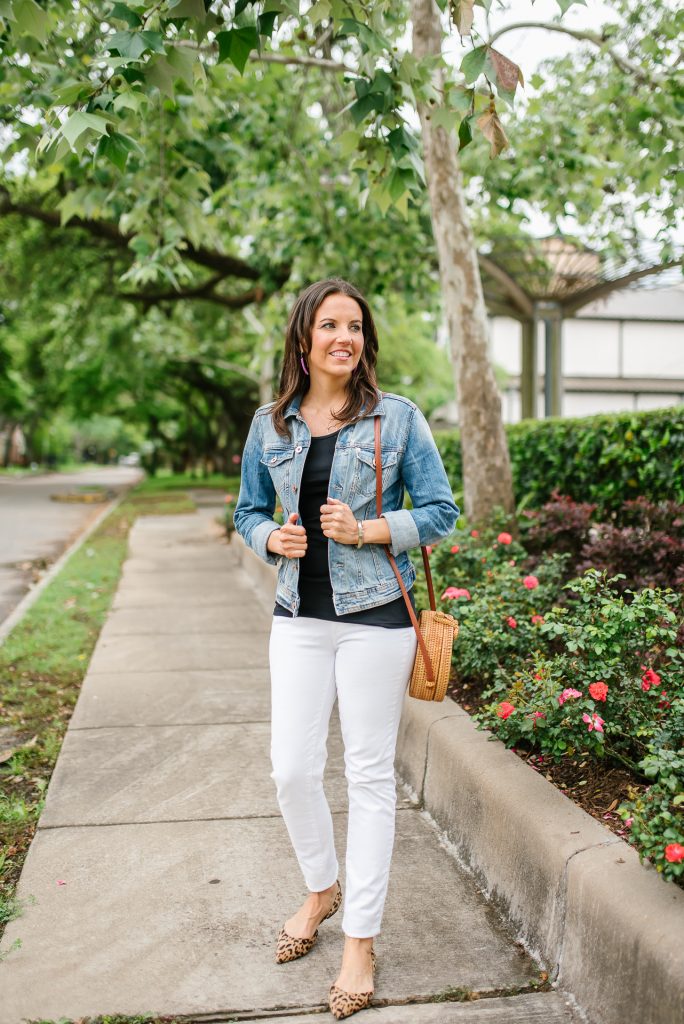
(274, 459)
(298, 448)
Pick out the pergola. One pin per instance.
(548, 280)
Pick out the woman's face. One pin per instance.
(336, 337)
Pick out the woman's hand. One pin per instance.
(338, 522)
(290, 538)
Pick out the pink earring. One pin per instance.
(301, 360)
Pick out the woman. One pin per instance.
(340, 626)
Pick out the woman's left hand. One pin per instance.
(338, 522)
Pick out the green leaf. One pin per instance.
(182, 61)
(116, 148)
(473, 63)
(465, 133)
(133, 44)
(80, 122)
(70, 92)
(363, 106)
(121, 12)
(6, 10)
(381, 197)
(369, 39)
(266, 23)
(160, 73)
(236, 46)
(188, 9)
(31, 19)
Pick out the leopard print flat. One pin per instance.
(343, 1004)
(291, 947)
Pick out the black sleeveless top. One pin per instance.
(315, 587)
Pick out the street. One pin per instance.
(32, 527)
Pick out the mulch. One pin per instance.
(597, 786)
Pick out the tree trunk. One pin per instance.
(487, 477)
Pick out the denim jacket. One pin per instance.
(361, 577)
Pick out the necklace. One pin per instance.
(312, 418)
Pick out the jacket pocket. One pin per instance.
(279, 462)
(364, 469)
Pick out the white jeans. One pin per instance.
(368, 668)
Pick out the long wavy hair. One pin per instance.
(362, 390)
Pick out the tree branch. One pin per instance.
(227, 266)
(624, 63)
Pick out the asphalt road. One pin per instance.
(34, 530)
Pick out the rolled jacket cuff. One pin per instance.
(260, 535)
(403, 530)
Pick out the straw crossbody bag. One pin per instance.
(436, 630)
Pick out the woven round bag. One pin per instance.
(436, 630)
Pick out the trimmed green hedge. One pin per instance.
(604, 459)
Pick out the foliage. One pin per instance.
(611, 683)
(604, 460)
(644, 540)
(656, 817)
(608, 154)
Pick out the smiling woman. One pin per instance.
(341, 628)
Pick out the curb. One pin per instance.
(34, 593)
(579, 899)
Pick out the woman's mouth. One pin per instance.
(341, 354)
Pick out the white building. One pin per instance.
(621, 353)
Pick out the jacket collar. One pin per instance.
(293, 406)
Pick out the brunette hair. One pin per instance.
(362, 388)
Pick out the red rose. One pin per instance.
(674, 852)
(505, 709)
(504, 538)
(598, 690)
(530, 582)
(511, 622)
(454, 549)
(649, 679)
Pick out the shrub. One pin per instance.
(598, 459)
(613, 685)
(643, 540)
(656, 817)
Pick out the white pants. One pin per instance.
(368, 668)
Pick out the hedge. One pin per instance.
(605, 459)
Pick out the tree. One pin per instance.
(151, 64)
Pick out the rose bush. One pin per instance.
(589, 666)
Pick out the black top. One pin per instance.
(315, 587)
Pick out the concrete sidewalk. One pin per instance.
(162, 824)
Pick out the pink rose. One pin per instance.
(530, 582)
(674, 853)
(567, 694)
(538, 714)
(451, 593)
(474, 533)
(504, 538)
(454, 550)
(537, 620)
(511, 622)
(594, 721)
(505, 709)
(235, 459)
(428, 548)
(598, 690)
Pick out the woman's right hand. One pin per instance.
(289, 540)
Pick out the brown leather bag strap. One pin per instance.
(378, 500)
